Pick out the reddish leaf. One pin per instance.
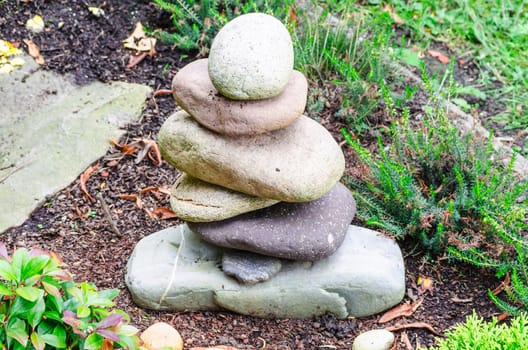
(85, 176)
(412, 325)
(108, 334)
(107, 345)
(399, 311)
(405, 340)
(503, 316)
(132, 197)
(3, 251)
(161, 213)
(110, 321)
(439, 56)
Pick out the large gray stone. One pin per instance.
(51, 130)
(300, 231)
(174, 270)
(195, 93)
(299, 163)
(251, 57)
(198, 201)
(249, 268)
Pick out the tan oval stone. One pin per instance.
(161, 335)
(194, 92)
(299, 163)
(195, 200)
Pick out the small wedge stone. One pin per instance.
(249, 268)
(195, 200)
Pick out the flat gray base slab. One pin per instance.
(51, 130)
(174, 270)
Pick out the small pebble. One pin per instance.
(377, 339)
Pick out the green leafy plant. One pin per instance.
(197, 22)
(443, 189)
(42, 308)
(475, 333)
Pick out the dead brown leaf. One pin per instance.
(405, 340)
(502, 285)
(162, 189)
(136, 59)
(139, 41)
(132, 197)
(126, 149)
(425, 284)
(412, 325)
(400, 310)
(150, 148)
(161, 213)
(439, 56)
(34, 52)
(84, 178)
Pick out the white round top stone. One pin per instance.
(251, 58)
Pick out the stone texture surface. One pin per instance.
(300, 231)
(251, 57)
(197, 201)
(249, 268)
(61, 129)
(195, 93)
(174, 270)
(160, 336)
(296, 164)
(376, 339)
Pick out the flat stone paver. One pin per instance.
(51, 130)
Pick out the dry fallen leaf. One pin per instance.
(405, 340)
(503, 316)
(412, 325)
(84, 177)
(400, 310)
(162, 189)
(139, 41)
(34, 52)
(136, 59)
(96, 11)
(35, 24)
(161, 213)
(439, 56)
(502, 285)
(132, 197)
(425, 284)
(151, 149)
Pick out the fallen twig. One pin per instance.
(412, 325)
(108, 216)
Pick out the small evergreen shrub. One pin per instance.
(477, 334)
(444, 190)
(41, 308)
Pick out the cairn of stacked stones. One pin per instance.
(267, 229)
